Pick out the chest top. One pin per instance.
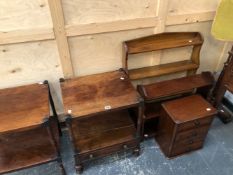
(188, 108)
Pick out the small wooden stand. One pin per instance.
(184, 125)
(100, 115)
(28, 135)
(160, 42)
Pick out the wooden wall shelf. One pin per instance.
(160, 42)
(98, 115)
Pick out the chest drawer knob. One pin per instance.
(125, 146)
(194, 134)
(196, 123)
(91, 156)
(190, 142)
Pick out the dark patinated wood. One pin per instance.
(24, 106)
(224, 83)
(176, 86)
(163, 69)
(160, 42)
(100, 120)
(28, 136)
(184, 124)
(90, 94)
(25, 149)
(156, 93)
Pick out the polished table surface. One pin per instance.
(97, 93)
(23, 107)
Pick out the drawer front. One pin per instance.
(82, 157)
(195, 124)
(181, 149)
(188, 142)
(192, 134)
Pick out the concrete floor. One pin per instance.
(216, 158)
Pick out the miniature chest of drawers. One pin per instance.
(184, 125)
(101, 115)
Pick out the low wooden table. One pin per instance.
(28, 135)
(184, 125)
(101, 115)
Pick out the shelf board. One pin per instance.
(163, 41)
(162, 69)
(25, 149)
(176, 86)
(103, 130)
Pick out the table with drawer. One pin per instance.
(184, 125)
(104, 114)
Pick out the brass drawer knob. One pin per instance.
(125, 146)
(196, 123)
(190, 142)
(91, 156)
(194, 134)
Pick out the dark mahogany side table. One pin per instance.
(29, 136)
(104, 114)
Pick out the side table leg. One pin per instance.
(79, 168)
(136, 151)
(61, 167)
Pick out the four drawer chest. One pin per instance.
(184, 124)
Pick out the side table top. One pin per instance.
(97, 93)
(23, 106)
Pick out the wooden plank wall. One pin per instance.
(49, 39)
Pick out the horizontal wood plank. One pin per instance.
(37, 34)
(190, 18)
(19, 36)
(94, 28)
